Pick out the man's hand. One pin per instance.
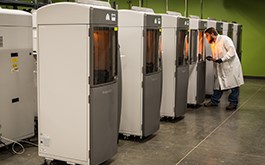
(219, 61)
(209, 58)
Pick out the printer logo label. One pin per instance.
(155, 21)
(159, 21)
(107, 17)
(113, 17)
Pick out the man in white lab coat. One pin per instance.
(227, 68)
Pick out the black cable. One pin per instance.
(29, 143)
(8, 149)
(19, 149)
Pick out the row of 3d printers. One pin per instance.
(101, 72)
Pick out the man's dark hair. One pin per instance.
(211, 30)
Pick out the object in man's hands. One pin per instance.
(209, 58)
(219, 61)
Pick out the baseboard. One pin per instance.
(254, 77)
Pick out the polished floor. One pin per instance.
(210, 136)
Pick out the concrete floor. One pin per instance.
(210, 136)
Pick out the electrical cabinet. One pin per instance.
(140, 39)
(17, 105)
(175, 41)
(197, 64)
(77, 81)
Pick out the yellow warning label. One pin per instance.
(14, 59)
(14, 64)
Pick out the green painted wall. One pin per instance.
(247, 13)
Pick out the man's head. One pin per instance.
(211, 34)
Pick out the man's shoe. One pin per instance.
(231, 107)
(210, 104)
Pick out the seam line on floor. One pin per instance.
(238, 153)
(219, 126)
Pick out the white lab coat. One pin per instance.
(228, 74)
